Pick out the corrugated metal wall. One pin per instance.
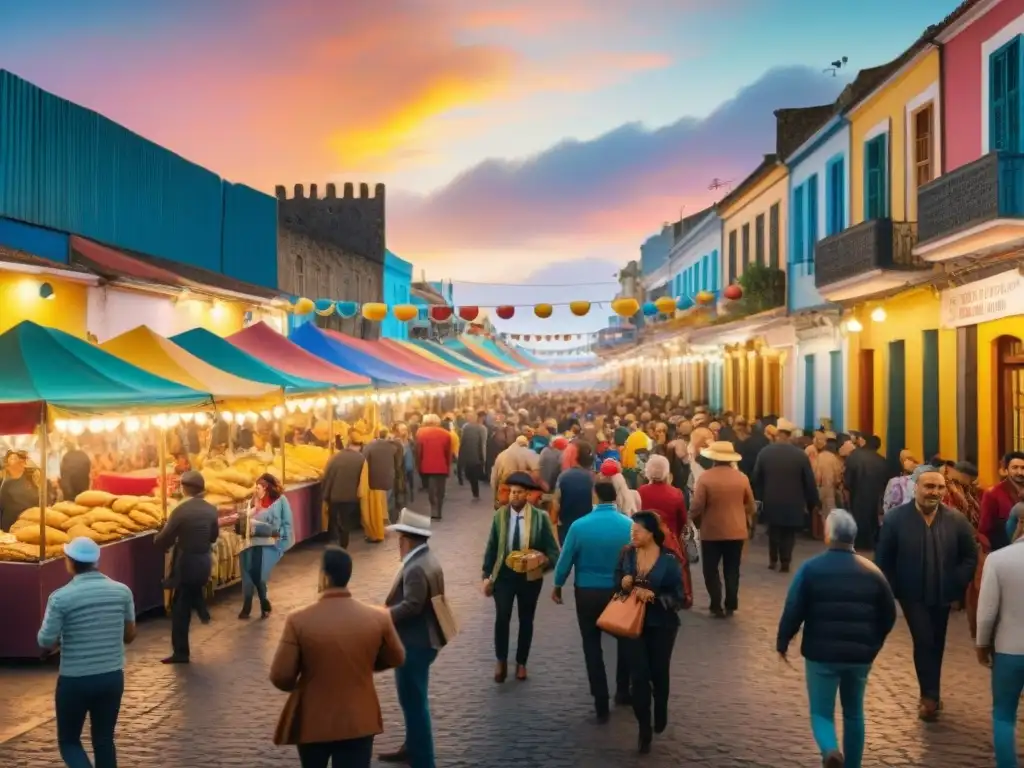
(249, 251)
(70, 169)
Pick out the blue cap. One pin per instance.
(83, 550)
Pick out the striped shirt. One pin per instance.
(87, 618)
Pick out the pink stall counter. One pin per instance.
(304, 499)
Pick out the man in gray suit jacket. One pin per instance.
(412, 610)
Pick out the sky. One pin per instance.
(528, 146)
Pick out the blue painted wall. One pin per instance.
(37, 241)
(397, 284)
(66, 168)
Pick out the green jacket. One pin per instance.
(540, 537)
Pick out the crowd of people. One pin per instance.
(626, 494)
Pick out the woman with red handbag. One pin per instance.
(652, 573)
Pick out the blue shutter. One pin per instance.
(876, 203)
(931, 415)
(797, 256)
(810, 418)
(836, 389)
(836, 197)
(812, 216)
(1004, 97)
(706, 282)
(714, 271)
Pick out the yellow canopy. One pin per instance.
(152, 352)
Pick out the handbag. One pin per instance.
(623, 616)
(445, 616)
(691, 543)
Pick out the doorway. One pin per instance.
(866, 387)
(1010, 393)
(896, 422)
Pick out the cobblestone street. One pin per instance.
(733, 704)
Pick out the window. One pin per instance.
(1004, 98)
(876, 172)
(299, 285)
(759, 239)
(732, 257)
(746, 246)
(706, 275)
(714, 286)
(812, 217)
(797, 256)
(835, 197)
(773, 236)
(923, 131)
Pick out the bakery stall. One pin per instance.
(57, 392)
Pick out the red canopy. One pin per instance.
(264, 343)
(396, 355)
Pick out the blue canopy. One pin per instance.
(315, 341)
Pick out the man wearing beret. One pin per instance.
(526, 534)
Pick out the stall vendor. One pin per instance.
(19, 489)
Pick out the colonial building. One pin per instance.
(333, 248)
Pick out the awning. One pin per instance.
(162, 357)
(451, 357)
(385, 349)
(315, 341)
(216, 351)
(44, 366)
(474, 352)
(265, 344)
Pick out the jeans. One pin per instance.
(255, 583)
(1007, 684)
(511, 588)
(186, 598)
(851, 680)
(436, 486)
(650, 664)
(781, 539)
(927, 625)
(351, 753)
(589, 605)
(410, 485)
(344, 518)
(411, 680)
(726, 554)
(99, 697)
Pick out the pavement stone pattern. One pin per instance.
(733, 704)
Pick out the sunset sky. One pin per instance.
(521, 141)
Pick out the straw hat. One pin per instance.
(412, 522)
(785, 425)
(720, 450)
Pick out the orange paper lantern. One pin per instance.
(625, 307)
(375, 311)
(579, 308)
(543, 311)
(405, 312)
(666, 305)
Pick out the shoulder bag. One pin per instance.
(624, 615)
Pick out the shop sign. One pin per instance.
(978, 302)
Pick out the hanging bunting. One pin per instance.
(515, 337)
(505, 312)
(543, 311)
(441, 313)
(347, 309)
(324, 307)
(469, 314)
(375, 311)
(405, 312)
(304, 306)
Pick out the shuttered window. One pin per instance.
(797, 256)
(835, 197)
(773, 236)
(732, 257)
(876, 167)
(812, 216)
(1004, 98)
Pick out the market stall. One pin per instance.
(383, 374)
(450, 356)
(401, 357)
(54, 388)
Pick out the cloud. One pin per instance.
(615, 189)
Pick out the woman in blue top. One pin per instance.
(269, 535)
(652, 572)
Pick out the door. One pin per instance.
(810, 419)
(866, 385)
(930, 413)
(896, 423)
(836, 403)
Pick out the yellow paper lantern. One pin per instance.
(375, 311)
(579, 308)
(625, 307)
(705, 297)
(304, 306)
(666, 305)
(405, 312)
(543, 311)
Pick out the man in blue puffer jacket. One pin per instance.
(847, 609)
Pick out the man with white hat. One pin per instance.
(783, 481)
(90, 620)
(413, 603)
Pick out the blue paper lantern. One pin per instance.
(684, 303)
(324, 307)
(347, 309)
(650, 310)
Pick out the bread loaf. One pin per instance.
(146, 521)
(53, 517)
(82, 530)
(30, 535)
(95, 499)
(125, 504)
(69, 508)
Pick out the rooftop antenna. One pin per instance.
(717, 183)
(835, 66)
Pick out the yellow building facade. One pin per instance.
(49, 301)
(899, 356)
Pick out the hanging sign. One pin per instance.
(993, 298)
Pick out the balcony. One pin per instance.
(871, 257)
(978, 209)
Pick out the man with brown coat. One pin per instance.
(340, 490)
(384, 461)
(325, 660)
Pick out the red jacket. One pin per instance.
(996, 504)
(668, 501)
(433, 451)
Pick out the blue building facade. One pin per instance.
(70, 171)
(397, 288)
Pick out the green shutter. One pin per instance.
(836, 401)
(810, 417)
(930, 395)
(896, 424)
